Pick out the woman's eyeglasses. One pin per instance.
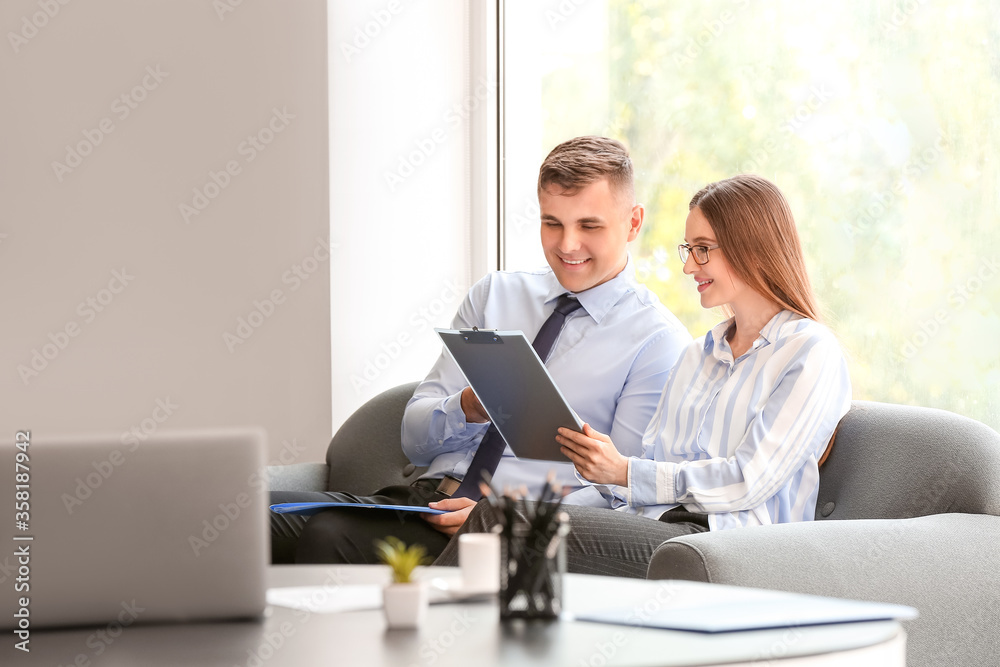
(700, 252)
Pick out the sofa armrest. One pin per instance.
(945, 565)
(299, 477)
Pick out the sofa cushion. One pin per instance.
(896, 461)
(366, 453)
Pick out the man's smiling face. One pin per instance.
(585, 234)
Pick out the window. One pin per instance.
(877, 119)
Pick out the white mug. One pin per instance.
(479, 559)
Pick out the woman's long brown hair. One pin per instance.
(754, 227)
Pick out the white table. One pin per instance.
(464, 635)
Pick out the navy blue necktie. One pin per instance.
(492, 445)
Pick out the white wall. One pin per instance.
(64, 234)
(405, 100)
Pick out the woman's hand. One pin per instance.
(450, 523)
(594, 456)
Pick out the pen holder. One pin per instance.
(532, 562)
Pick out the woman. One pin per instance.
(747, 412)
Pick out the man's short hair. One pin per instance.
(575, 164)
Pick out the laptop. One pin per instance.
(172, 528)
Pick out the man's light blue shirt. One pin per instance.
(610, 361)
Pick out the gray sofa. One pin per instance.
(908, 512)
(371, 433)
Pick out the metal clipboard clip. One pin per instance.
(479, 336)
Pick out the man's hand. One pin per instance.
(472, 408)
(594, 455)
(449, 523)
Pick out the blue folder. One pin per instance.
(308, 509)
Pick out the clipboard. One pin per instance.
(515, 389)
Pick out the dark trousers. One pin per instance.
(600, 541)
(348, 535)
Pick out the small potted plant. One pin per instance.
(404, 600)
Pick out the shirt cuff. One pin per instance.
(650, 483)
(628, 481)
(615, 496)
(454, 422)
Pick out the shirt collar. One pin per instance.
(772, 328)
(599, 300)
(716, 337)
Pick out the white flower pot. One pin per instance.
(405, 604)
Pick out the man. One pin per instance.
(613, 347)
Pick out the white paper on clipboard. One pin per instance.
(515, 389)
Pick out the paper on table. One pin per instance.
(359, 597)
(327, 599)
(732, 609)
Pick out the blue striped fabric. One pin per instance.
(740, 439)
